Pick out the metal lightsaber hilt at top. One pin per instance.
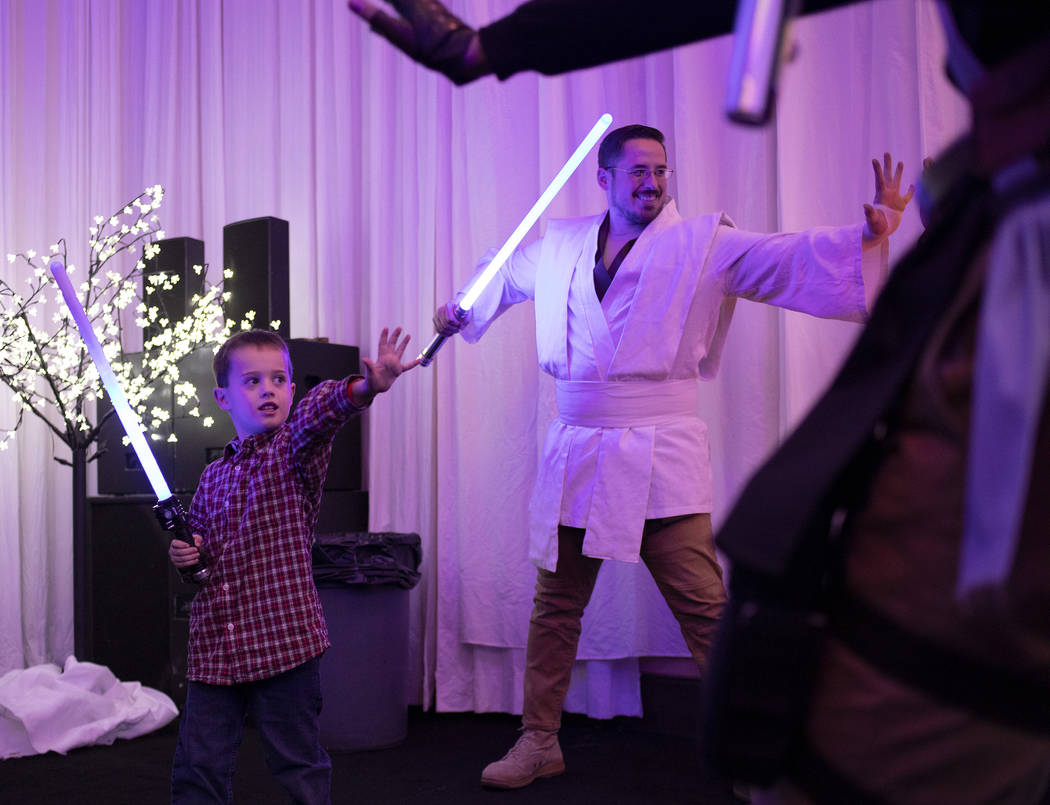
(471, 296)
(168, 509)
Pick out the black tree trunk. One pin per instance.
(82, 625)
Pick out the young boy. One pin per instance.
(256, 626)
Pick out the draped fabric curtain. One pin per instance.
(395, 182)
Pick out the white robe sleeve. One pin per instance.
(514, 282)
(818, 271)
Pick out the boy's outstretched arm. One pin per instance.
(381, 373)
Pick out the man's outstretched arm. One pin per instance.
(430, 34)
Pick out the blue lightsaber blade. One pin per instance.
(472, 294)
(169, 509)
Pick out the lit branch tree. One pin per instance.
(43, 360)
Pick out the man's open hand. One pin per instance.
(888, 194)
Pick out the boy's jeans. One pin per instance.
(285, 708)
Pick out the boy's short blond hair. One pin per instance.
(246, 338)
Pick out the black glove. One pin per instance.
(431, 35)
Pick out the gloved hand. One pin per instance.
(428, 33)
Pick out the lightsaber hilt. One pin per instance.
(172, 517)
(426, 357)
(759, 39)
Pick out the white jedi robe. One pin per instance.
(628, 444)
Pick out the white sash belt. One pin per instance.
(625, 404)
(629, 413)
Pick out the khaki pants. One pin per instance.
(680, 554)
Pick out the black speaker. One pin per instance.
(119, 471)
(342, 510)
(126, 595)
(180, 596)
(199, 440)
(171, 278)
(312, 362)
(256, 251)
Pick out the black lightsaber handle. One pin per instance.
(426, 357)
(172, 517)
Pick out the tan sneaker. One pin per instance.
(536, 754)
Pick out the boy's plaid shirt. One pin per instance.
(256, 507)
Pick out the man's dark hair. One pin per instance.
(612, 146)
(253, 338)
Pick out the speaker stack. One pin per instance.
(256, 253)
(137, 606)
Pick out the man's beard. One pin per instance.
(644, 218)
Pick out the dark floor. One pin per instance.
(623, 760)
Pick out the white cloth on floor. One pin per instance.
(45, 708)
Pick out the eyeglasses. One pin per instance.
(640, 174)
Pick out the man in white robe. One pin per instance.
(632, 306)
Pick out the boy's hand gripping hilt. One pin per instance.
(172, 518)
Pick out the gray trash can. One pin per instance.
(364, 579)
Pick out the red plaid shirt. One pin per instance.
(256, 507)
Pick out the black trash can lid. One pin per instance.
(366, 557)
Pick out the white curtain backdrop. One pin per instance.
(395, 182)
